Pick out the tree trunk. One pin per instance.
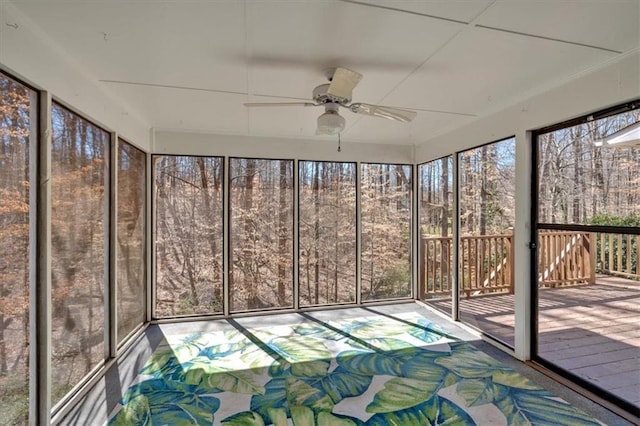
(211, 231)
(484, 182)
(283, 226)
(316, 230)
(577, 173)
(248, 260)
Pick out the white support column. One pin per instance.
(110, 300)
(150, 216)
(415, 234)
(455, 252)
(33, 255)
(40, 409)
(296, 234)
(358, 233)
(226, 232)
(522, 252)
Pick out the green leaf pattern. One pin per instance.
(293, 377)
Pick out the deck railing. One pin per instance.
(565, 258)
(486, 265)
(435, 267)
(619, 254)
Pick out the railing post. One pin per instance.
(512, 272)
(422, 276)
(637, 255)
(592, 248)
(628, 269)
(448, 243)
(610, 266)
(619, 267)
(542, 259)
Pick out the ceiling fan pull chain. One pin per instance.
(339, 149)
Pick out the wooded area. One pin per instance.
(131, 274)
(435, 195)
(486, 192)
(327, 221)
(487, 189)
(386, 231)
(18, 106)
(79, 218)
(582, 183)
(189, 233)
(78, 245)
(261, 229)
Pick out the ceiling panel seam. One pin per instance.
(490, 5)
(419, 66)
(558, 40)
(487, 27)
(171, 86)
(410, 12)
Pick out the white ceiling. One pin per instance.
(190, 65)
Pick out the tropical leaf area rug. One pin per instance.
(373, 370)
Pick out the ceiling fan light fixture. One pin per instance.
(330, 123)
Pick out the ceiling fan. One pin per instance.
(336, 94)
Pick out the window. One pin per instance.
(261, 241)
(327, 224)
(78, 228)
(386, 231)
(188, 235)
(582, 181)
(130, 246)
(487, 212)
(18, 119)
(588, 208)
(436, 219)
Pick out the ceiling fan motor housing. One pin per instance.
(321, 96)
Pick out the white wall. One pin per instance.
(26, 52)
(166, 142)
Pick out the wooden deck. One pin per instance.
(592, 331)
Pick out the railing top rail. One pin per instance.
(550, 232)
(542, 233)
(485, 237)
(436, 238)
(471, 237)
(494, 236)
(609, 229)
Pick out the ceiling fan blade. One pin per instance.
(343, 82)
(397, 114)
(279, 104)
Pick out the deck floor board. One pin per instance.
(593, 331)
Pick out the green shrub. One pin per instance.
(612, 220)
